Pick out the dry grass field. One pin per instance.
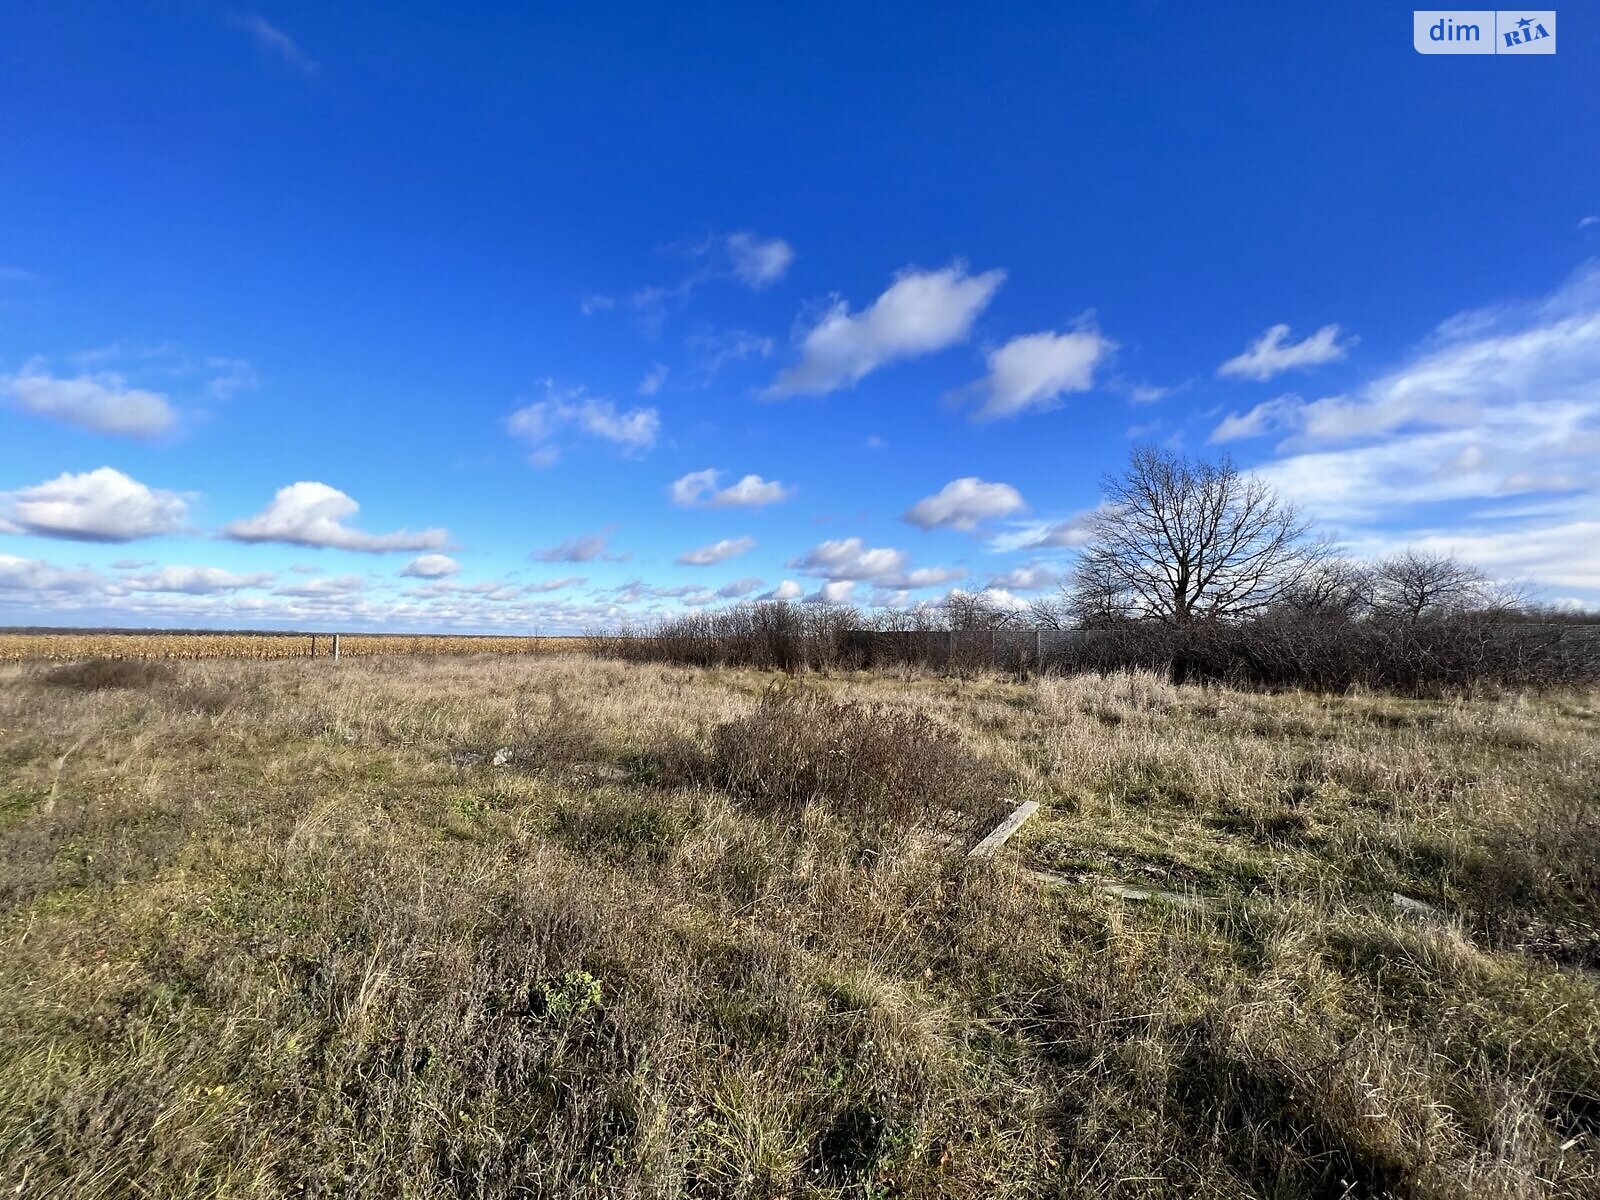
(494, 927)
(80, 644)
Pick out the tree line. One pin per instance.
(1196, 569)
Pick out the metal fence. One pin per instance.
(1014, 649)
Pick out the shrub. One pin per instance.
(101, 674)
(867, 763)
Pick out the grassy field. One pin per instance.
(79, 644)
(554, 926)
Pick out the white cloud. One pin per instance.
(1272, 353)
(495, 590)
(229, 377)
(1501, 402)
(713, 351)
(101, 403)
(633, 431)
(924, 577)
(195, 581)
(102, 505)
(997, 597)
(787, 590)
(963, 504)
(1029, 579)
(840, 591)
(758, 262)
(36, 575)
(590, 305)
(653, 379)
(1589, 222)
(585, 548)
(314, 514)
(716, 552)
(1034, 371)
(698, 489)
(1267, 417)
(1038, 535)
(337, 587)
(738, 588)
(851, 558)
(272, 39)
(555, 585)
(430, 566)
(1147, 393)
(921, 312)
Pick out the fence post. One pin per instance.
(313, 645)
(336, 647)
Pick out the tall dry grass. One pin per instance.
(281, 930)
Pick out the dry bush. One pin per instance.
(103, 674)
(866, 763)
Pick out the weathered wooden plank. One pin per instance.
(1003, 831)
(1122, 891)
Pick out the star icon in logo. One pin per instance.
(1525, 22)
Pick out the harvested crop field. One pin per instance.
(492, 926)
(79, 644)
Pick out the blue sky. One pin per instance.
(510, 318)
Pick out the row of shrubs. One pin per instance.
(1288, 649)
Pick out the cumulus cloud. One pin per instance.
(716, 552)
(921, 312)
(584, 548)
(787, 590)
(839, 591)
(543, 423)
(698, 489)
(313, 514)
(36, 575)
(101, 403)
(102, 505)
(195, 581)
(963, 504)
(1273, 353)
(1033, 372)
(430, 566)
(851, 560)
(738, 589)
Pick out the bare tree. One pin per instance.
(1050, 612)
(974, 610)
(1414, 584)
(1181, 542)
(1333, 587)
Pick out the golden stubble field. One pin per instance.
(68, 645)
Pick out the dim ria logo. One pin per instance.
(1484, 31)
